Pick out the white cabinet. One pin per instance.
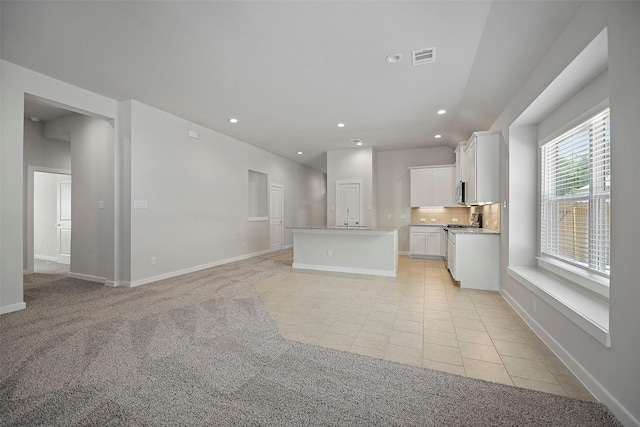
(420, 186)
(480, 168)
(431, 186)
(425, 241)
(474, 260)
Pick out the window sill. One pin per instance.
(594, 283)
(588, 311)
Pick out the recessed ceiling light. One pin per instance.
(299, 152)
(393, 58)
(340, 125)
(357, 142)
(34, 119)
(442, 112)
(437, 136)
(232, 120)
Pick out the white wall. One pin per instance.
(354, 163)
(612, 374)
(392, 185)
(197, 195)
(92, 240)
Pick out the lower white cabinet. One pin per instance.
(426, 241)
(474, 260)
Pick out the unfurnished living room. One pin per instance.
(319, 213)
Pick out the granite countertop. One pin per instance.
(424, 224)
(472, 231)
(344, 228)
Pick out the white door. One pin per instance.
(348, 203)
(64, 222)
(277, 216)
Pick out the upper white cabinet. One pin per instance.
(480, 167)
(432, 186)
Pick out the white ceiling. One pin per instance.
(290, 71)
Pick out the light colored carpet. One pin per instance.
(44, 266)
(202, 349)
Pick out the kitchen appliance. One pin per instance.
(476, 220)
(461, 193)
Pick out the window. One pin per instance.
(575, 196)
(258, 196)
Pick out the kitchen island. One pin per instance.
(360, 250)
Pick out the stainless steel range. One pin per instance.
(476, 222)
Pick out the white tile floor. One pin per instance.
(421, 317)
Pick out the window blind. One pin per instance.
(575, 196)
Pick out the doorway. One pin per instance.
(276, 216)
(53, 132)
(51, 220)
(348, 202)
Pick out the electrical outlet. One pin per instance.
(423, 219)
(454, 219)
(389, 216)
(329, 252)
(244, 245)
(433, 220)
(153, 260)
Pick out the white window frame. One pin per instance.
(590, 281)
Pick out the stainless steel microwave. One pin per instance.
(461, 194)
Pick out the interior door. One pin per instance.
(348, 203)
(276, 215)
(64, 222)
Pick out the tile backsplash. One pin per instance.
(434, 216)
(459, 215)
(490, 215)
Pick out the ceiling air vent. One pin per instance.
(424, 56)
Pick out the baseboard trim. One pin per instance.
(404, 253)
(117, 283)
(13, 307)
(287, 246)
(386, 273)
(46, 257)
(152, 279)
(88, 278)
(601, 393)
